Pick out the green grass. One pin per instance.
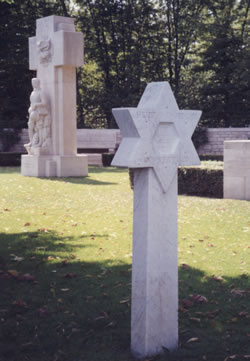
(74, 236)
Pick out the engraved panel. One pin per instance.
(166, 139)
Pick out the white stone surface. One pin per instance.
(237, 169)
(156, 139)
(55, 52)
(97, 139)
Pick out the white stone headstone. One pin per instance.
(55, 52)
(237, 169)
(156, 140)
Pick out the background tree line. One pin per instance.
(202, 47)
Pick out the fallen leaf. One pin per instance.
(5, 276)
(6, 210)
(19, 303)
(65, 263)
(99, 318)
(212, 314)
(21, 276)
(193, 339)
(16, 258)
(218, 278)
(25, 277)
(125, 301)
(187, 303)
(27, 224)
(69, 275)
(243, 313)
(43, 311)
(64, 289)
(13, 272)
(230, 357)
(45, 230)
(199, 299)
(185, 266)
(111, 324)
(237, 292)
(195, 319)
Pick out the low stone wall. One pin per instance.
(111, 138)
(107, 139)
(217, 136)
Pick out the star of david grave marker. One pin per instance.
(55, 52)
(156, 140)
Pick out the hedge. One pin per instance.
(9, 159)
(216, 157)
(200, 181)
(203, 181)
(107, 159)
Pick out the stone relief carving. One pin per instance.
(39, 124)
(45, 51)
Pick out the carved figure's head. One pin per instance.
(35, 83)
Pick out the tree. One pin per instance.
(183, 23)
(17, 24)
(124, 39)
(225, 57)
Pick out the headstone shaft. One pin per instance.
(55, 52)
(156, 140)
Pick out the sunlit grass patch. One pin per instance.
(65, 271)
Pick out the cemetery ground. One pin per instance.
(65, 271)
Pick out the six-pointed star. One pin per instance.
(157, 134)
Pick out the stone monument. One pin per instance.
(55, 52)
(237, 169)
(156, 140)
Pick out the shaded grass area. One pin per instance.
(65, 271)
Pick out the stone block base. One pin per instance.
(54, 166)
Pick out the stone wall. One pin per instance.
(216, 137)
(108, 139)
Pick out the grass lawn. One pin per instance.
(65, 271)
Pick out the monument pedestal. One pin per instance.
(54, 166)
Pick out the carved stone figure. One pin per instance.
(39, 122)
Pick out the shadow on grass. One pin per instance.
(80, 180)
(93, 169)
(75, 180)
(10, 170)
(76, 310)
